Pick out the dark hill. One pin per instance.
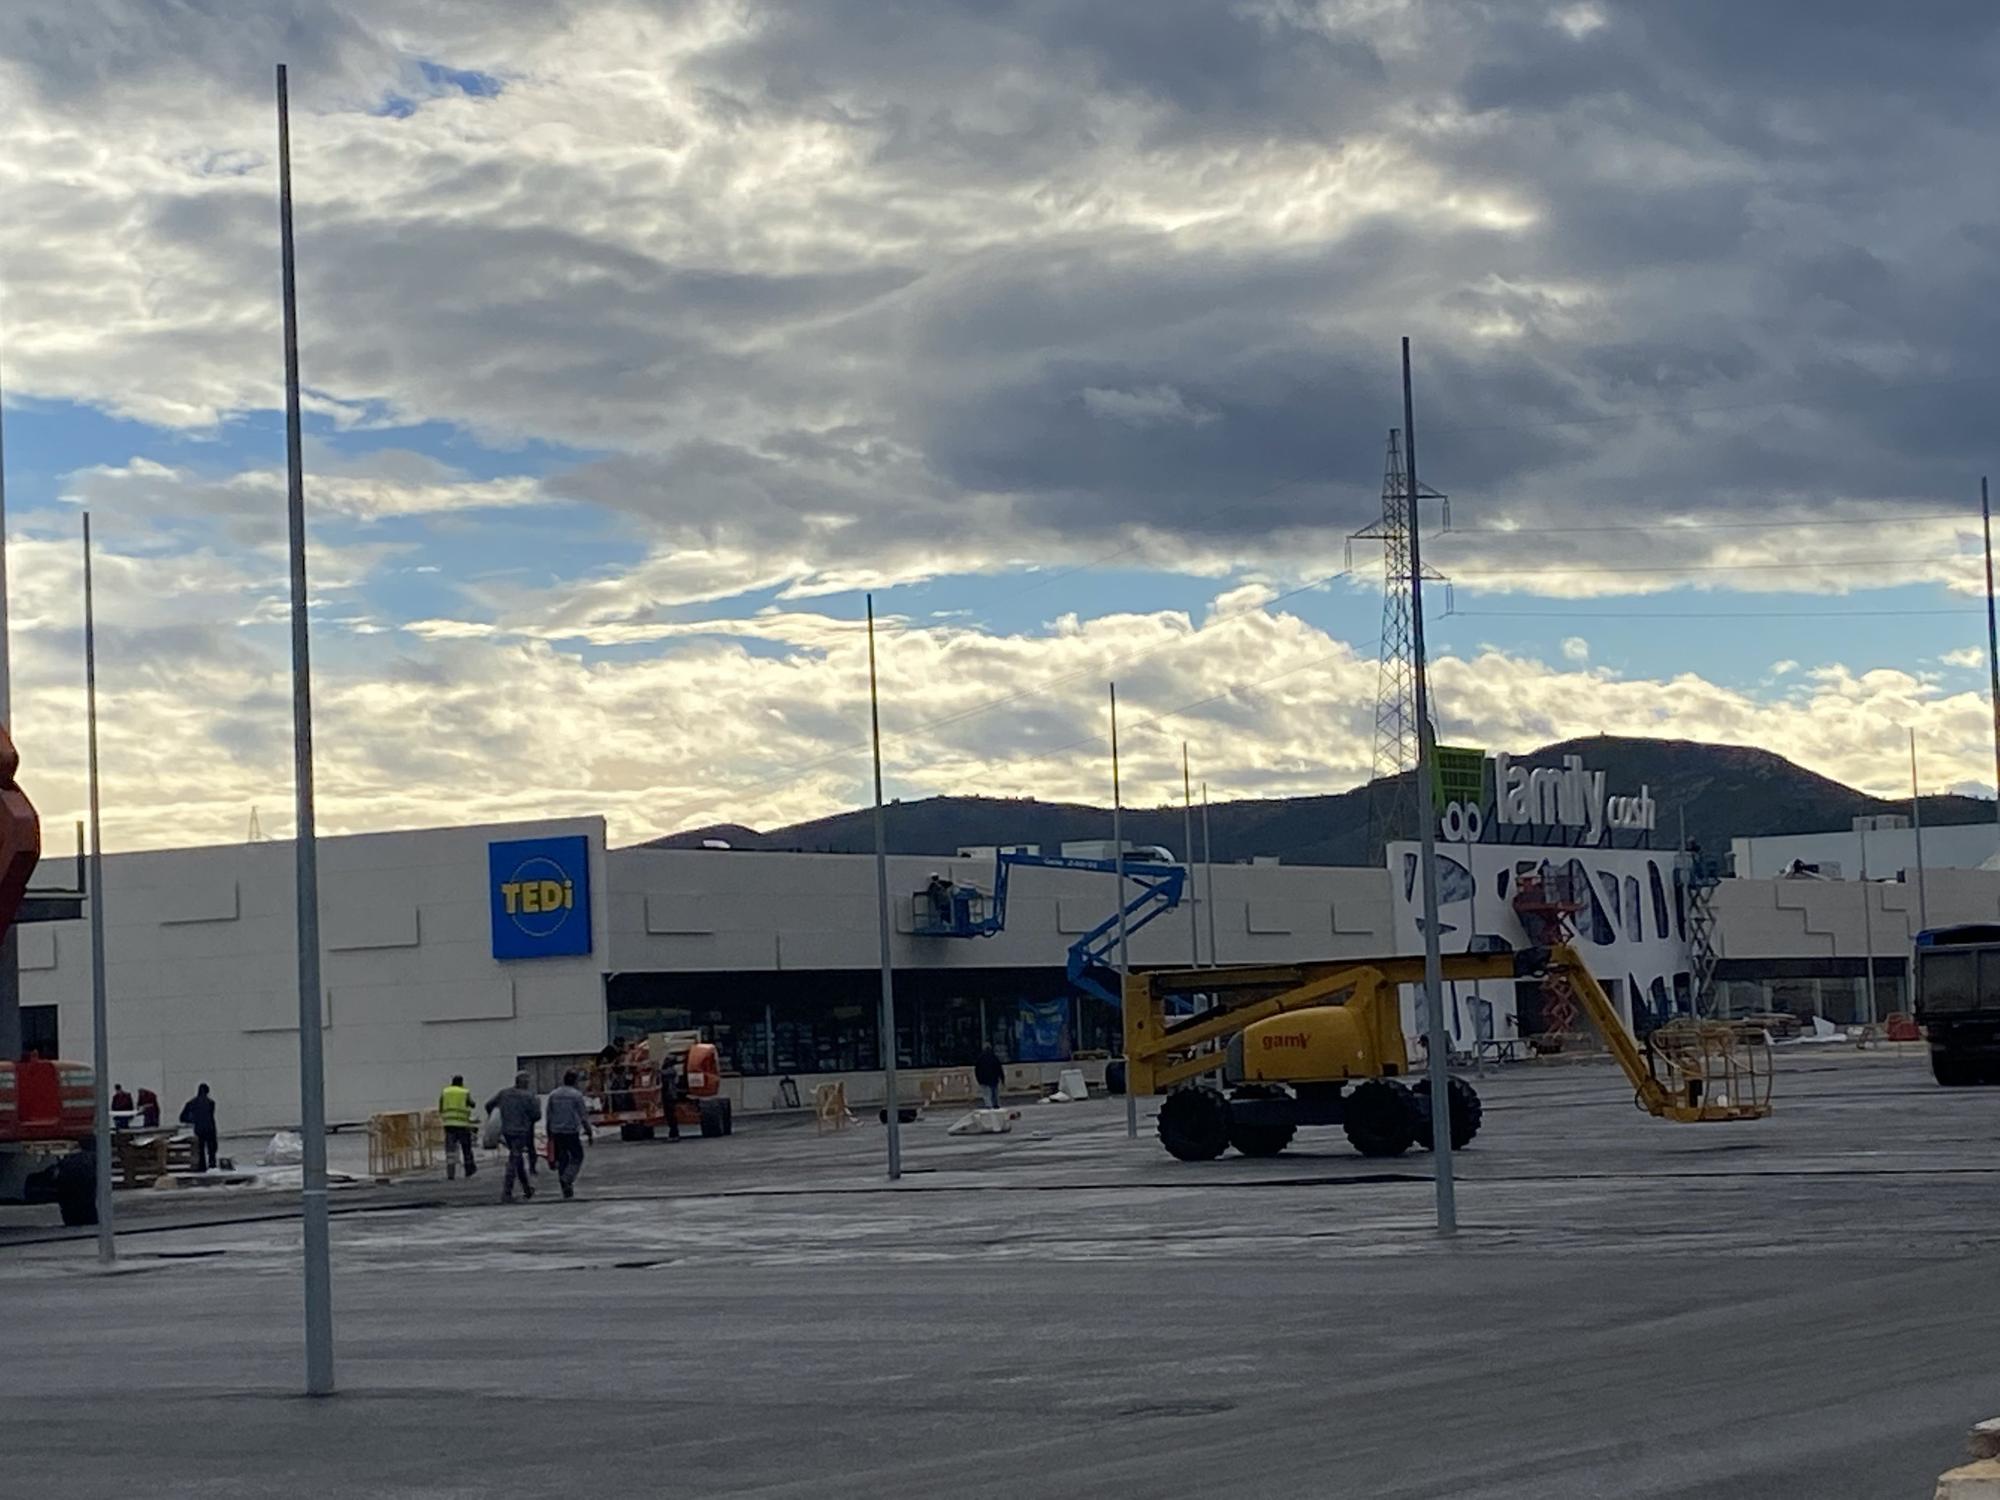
(1724, 791)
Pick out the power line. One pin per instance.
(1709, 410)
(1697, 615)
(1853, 562)
(1674, 527)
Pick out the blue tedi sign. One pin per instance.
(540, 891)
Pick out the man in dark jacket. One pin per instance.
(198, 1114)
(149, 1108)
(519, 1110)
(569, 1123)
(989, 1074)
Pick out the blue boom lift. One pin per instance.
(963, 911)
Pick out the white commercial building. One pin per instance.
(480, 950)
(1876, 848)
(202, 972)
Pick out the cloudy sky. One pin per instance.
(641, 337)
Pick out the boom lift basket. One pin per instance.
(1710, 1070)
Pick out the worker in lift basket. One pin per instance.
(568, 1124)
(455, 1110)
(519, 1110)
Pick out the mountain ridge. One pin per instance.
(1724, 791)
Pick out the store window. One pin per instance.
(41, 1031)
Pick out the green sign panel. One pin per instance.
(1457, 775)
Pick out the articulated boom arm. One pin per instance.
(1687, 1071)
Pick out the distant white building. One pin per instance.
(1876, 848)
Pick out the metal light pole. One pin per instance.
(1992, 639)
(1917, 820)
(1187, 859)
(10, 942)
(1437, 1043)
(1867, 939)
(1208, 879)
(887, 1020)
(312, 1063)
(1124, 953)
(100, 1050)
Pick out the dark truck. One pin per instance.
(1958, 1001)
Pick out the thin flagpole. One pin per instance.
(1992, 638)
(1124, 953)
(1437, 1043)
(1187, 859)
(892, 1109)
(1917, 819)
(312, 1063)
(100, 1054)
(1208, 878)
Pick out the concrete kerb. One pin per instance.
(1980, 1479)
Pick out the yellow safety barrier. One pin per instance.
(951, 1086)
(401, 1142)
(830, 1107)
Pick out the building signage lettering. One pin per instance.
(1569, 796)
(539, 890)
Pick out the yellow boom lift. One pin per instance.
(1322, 1044)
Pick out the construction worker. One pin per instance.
(455, 1109)
(568, 1124)
(989, 1073)
(198, 1114)
(519, 1109)
(671, 1091)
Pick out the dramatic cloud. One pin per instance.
(634, 330)
(982, 281)
(764, 719)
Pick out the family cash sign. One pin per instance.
(1569, 797)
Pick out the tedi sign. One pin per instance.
(1571, 796)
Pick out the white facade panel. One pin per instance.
(812, 911)
(201, 969)
(1633, 936)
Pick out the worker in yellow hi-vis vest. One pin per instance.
(455, 1109)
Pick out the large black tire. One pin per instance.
(75, 1181)
(1114, 1077)
(728, 1118)
(711, 1118)
(1194, 1123)
(1259, 1140)
(1466, 1113)
(1954, 1072)
(634, 1132)
(1380, 1117)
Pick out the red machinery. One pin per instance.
(1547, 902)
(626, 1088)
(47, 1106)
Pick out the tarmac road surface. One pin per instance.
(1800, 1307)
